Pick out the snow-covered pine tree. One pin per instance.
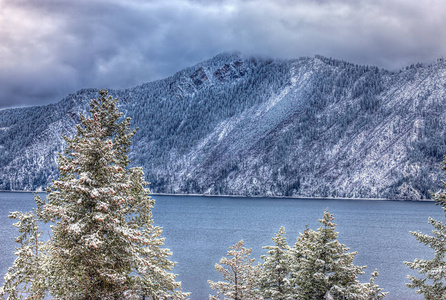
(432, 283)
(239, 274)
(25, 279)
(104, 244)
(371, 291)
(322, 268)
(274, 276)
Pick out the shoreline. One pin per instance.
(259, 197)
(290, 197)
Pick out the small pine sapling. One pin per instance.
(26, 277)
(240, 276)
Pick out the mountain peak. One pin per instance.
(238, 125)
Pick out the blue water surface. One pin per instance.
(199, 231)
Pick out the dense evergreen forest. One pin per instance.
(316, 127)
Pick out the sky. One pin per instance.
(51, 48)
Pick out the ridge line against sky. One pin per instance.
(50, 48)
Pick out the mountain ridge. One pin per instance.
(312, 126)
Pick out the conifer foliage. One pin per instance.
(323, 268)
(104, 244)
(317, 267)
(274, 278)
(432, 284)
(25, 277)
(239, 273)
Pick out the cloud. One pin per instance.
(49, 48)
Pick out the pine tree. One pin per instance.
(274, 277)
(25, 278)
(432, 285)
(322, 267)
(371, 291)
(239, 274)
(104, 244)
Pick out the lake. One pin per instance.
(199, 231)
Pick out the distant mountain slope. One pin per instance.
(252, 126)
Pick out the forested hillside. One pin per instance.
(253, 126)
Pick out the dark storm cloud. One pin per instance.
(51, 48)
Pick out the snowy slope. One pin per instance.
(252, 126)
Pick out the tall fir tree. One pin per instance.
(322, 267)
(274, 276)
(104, 244)
(239, 273)
(432, 284)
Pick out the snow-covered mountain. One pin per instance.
(252, 126)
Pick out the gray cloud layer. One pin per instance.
(49, 48)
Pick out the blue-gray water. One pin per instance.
(200, 229)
